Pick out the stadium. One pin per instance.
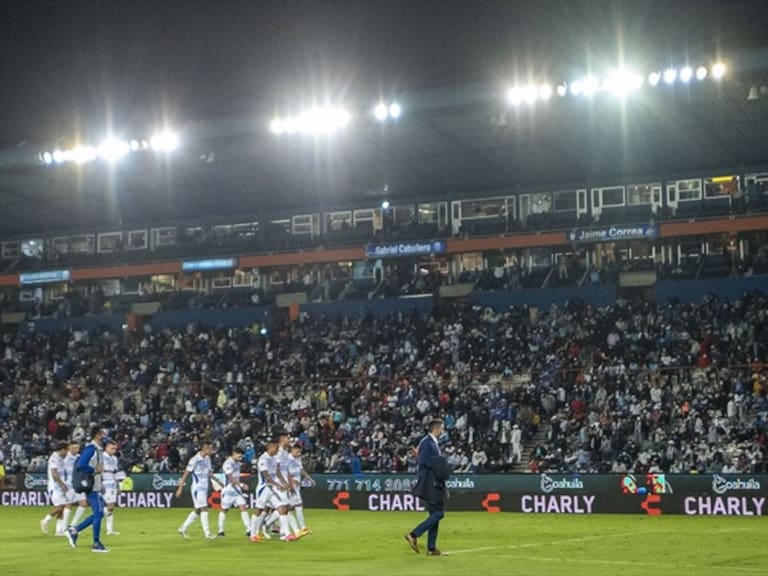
(385, 288)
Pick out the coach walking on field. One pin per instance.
(433, 471)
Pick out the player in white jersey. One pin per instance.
(110, 479)
(297, 473)
(57, 488)
(283, 464)
(199, 467)
(233, 492)
(73, 498)
(270, 493)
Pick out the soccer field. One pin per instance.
(369, 544)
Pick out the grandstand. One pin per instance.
(567, 266)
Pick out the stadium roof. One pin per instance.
(219, 75)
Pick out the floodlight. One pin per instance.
(530, 93)
(395, 110)
(622, 82)
(653, 78)
(276, 126)
(562, 90)
(670, 75)
(380, 111)
(47, 157)
(385, 205)
(514, 95)
(701, 72)
(545, 91)
(134, 145)
(164, 142)
(58, 156)
(113, 150)
(590, 86)
(718, 71)
(576, 88)
(83, 154)
(686, 74)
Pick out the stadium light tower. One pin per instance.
(113, 150)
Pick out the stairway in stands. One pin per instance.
(539, 438)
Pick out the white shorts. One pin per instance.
(270, 497)
(294, 497)
(110, 495)
(231, 499)
(58, 498)
(199, 496)
(75, 497)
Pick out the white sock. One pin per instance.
(78, 514)
(65, 516)
(300, 516)
(47, 519)
(246, 521)
(256, 523)
(272, 518)
(222, 517)
(292, 523)
(204, 520)
(189, 521)
(110, 521)
(284, 528)
(59, 526)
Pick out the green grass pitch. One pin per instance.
(372, 544)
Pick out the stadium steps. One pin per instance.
(539, 438)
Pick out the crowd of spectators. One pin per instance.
(635, 386)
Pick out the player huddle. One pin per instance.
(278, 493)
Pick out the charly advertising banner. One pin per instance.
(652, 494)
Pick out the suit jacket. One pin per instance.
(433, 471)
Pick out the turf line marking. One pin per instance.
(564, 560)
(535, 544)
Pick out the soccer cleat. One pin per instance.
(434, 552)
(43, 527)
(113, 533)
(72, 536)
(289, 538)
(183, 533)
(265, 535)
(305, 532)
(99, 547)
(220, 535)
(210, 536)
(256, 538)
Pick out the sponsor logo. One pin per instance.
(158, 482)
(549, 484)
(32, 482)
(460, 483)
(722, 485)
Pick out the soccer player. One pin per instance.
(111, 469)
(73, 498)
(91, 462)
(283, 475)
(232, 494)
(199, 467)
(57, 487)
(296, 473)
(270, 493)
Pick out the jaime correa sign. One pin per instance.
(613, 233)
(403, 249)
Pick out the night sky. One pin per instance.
(68, 67)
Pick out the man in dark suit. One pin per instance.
(433, 471)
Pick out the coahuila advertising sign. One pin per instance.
(405, 249)
(612, 233)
